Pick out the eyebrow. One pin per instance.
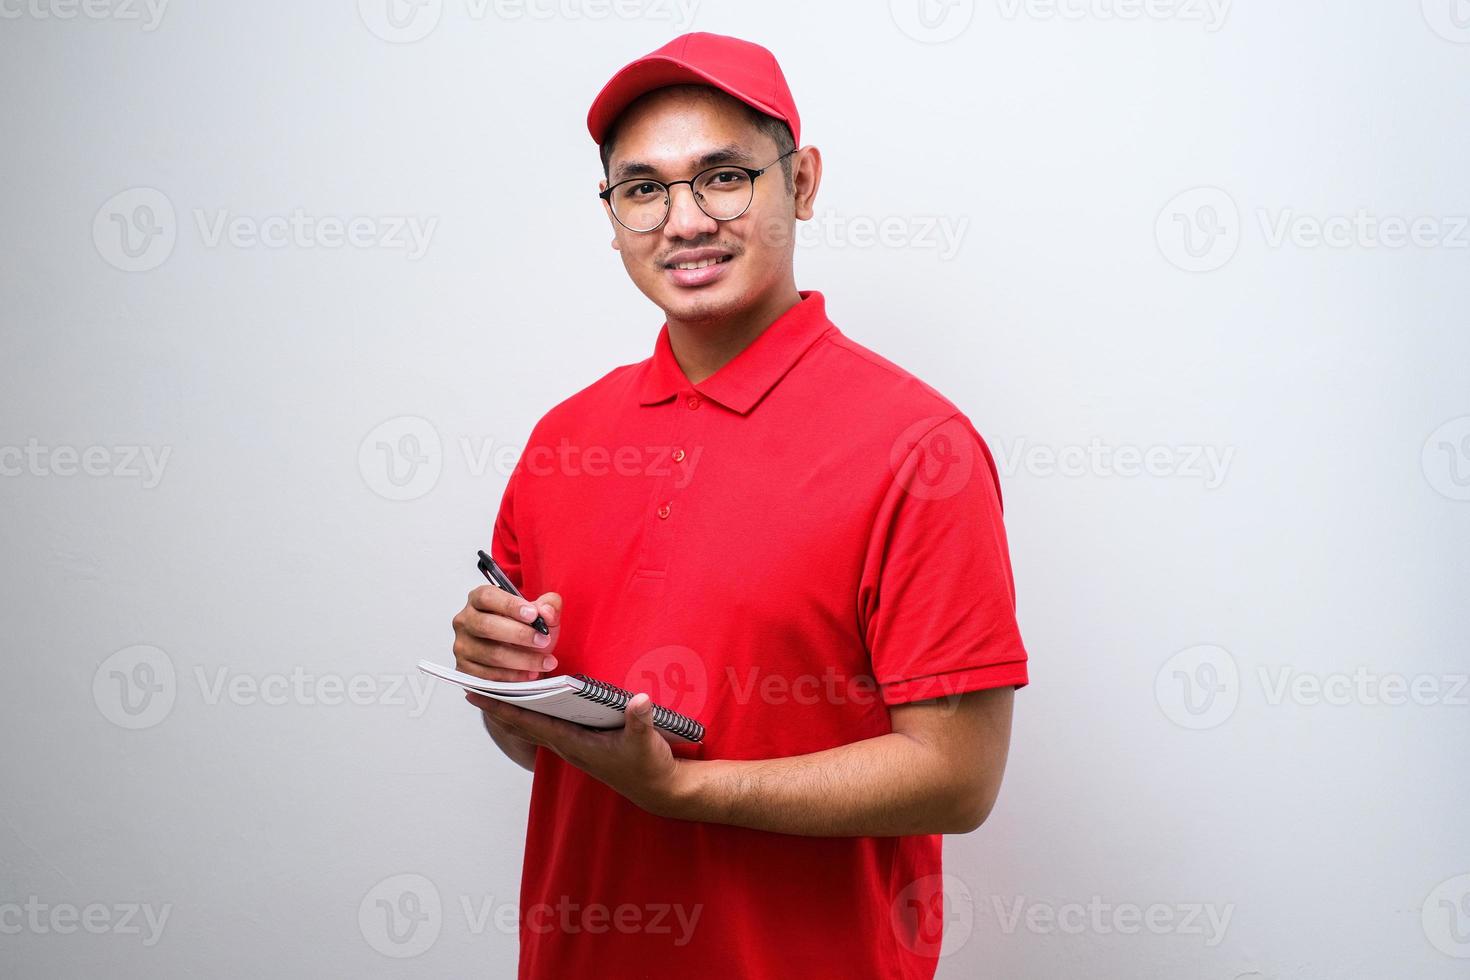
(729, 153)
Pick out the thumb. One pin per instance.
(640, 714)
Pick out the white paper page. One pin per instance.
(553, 696)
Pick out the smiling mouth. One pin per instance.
(701, 264)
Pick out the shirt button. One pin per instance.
(678, 455)
(663, 512)
(693, 402)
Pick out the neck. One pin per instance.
(702, 347)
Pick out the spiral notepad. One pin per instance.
(573, 697)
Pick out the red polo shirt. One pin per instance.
(783, 550)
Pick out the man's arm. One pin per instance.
(938, 772)
(520, 751)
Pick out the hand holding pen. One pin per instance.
(497, 577)
(501, 635)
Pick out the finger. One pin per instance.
(488, 598)
(555, 733)
(479, 700)
(502, 629)
(490, 707)
(470, 652)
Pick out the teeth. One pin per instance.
(697, 265)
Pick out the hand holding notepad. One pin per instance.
(572, 697)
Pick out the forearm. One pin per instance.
(885, 786)
(520, 751)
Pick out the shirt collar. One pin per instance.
(744, 381)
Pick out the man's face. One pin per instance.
(672, 134)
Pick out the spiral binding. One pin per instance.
(610, 694)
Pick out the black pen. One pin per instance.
(500, 580)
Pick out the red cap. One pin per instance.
(747, 71)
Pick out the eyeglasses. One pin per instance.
(641, 204)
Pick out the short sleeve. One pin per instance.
(937, 598)
(505, 546)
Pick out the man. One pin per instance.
(770, 528)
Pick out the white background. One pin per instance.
(1080, 308)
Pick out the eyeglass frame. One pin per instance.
(751, 172)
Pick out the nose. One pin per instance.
(685, 219)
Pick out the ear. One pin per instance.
(807, 176)
(612, 222)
